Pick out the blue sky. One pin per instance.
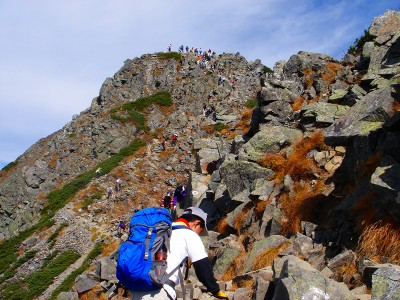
(55, 54)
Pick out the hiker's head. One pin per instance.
(197, 219)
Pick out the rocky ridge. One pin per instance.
(290, 188)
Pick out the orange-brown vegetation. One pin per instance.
(41, 196)
(259, 209)
(236, 267)
(167, 152)
(298, 103)
(308, 78)
(396, 106)
(232, 135)
(53, 160)
(330, 72)
(240, 219)
(244, 282)
(109, 246)
(297, 165)
(345, 273)
(364, 212)
(244, 123)
(265, 258)
(371, 164)
(119, 173)
(378, 240)
(222, 226)
(94, 293)
(299, 206)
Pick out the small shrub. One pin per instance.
(251, 103)
(9, 273)
(68, 282)
(267, 70)
(109, 247)
(169, 55)
(10, 165)
(358, 45)
(219, 126)
(259, 209)
(131, 110)
(364, 212)
(244, 281)
(36, 283)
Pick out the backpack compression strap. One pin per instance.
(147, 242)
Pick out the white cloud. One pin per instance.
(55, 54)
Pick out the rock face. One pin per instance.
(289, 186)
(94, 135)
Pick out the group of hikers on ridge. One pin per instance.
(154, 271)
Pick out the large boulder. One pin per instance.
(366, 116)
(297, 279)
(239, 175)
(270, 243)
(270, 139)
(322, 114)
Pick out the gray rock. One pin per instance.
(84, 283)
(341, 260)
(363, 118)
(308, 228)
(322, 114)
(269, 243)
(386, 284)
(228, 253)
(239, 175)
(270, 139)
(107, 269)
(68, 296)
(296, 279)
(243, 293)
(302, 245)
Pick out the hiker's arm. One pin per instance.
(204, 273)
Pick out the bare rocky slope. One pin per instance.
(299, 174)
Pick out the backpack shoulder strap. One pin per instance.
(166, 276)
(180, 227)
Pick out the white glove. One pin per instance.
(170, 291)
(183, 188)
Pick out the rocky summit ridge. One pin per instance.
(298, 172)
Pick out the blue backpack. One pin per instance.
(137, 267)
